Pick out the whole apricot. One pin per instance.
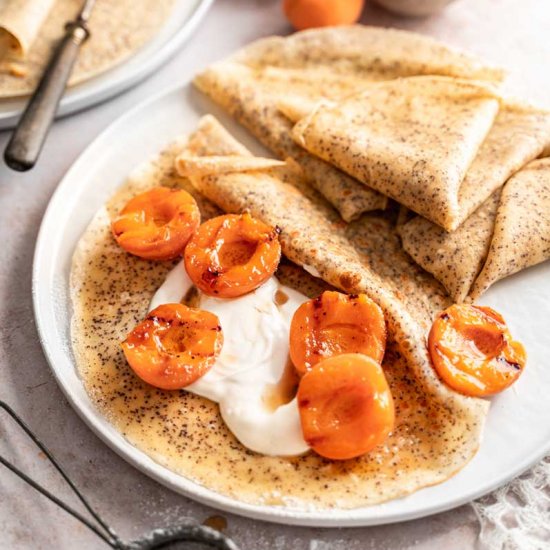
(306, 14)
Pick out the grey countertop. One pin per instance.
(504, 31)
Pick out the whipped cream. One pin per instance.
(253, 360)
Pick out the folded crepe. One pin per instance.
(254, 105)
(413, 139)
(521, 236)
(454, 258)
(361, 49)
(508, 233)
(325, 63)
(20, 22)
(520, 133)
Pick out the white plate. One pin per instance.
(517, 432)
(182, 22)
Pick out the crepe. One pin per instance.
(519, 134)
(437, 430)
(118, 29)
(20, 22)
(454, 258)
(325, 63)
(254, 105)
(508, 233)
(361, 49)
(413, 139)
(198, 166)
(521, 236)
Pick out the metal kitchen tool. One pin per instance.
(30, 133)
(172, 538)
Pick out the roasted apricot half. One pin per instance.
(346, 407)
(174, 346)
(473, 351)
(232, 255)
(336, 323)
(157, 224)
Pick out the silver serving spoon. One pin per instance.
(166, 538)
(28, 137)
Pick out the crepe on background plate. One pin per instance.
(20, 22)
(437, 431)
(325, 63)
(118, 29)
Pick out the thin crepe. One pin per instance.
(454, 258)
(521, 236)
(519, 134)
(118, 29)
(413, 139)
(20, 22)
(254, 104)
(508, 233)
(325, 63)
(437, 431)
(362, 49)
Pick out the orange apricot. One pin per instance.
(157, 224)
(346, 407)
(306, 14)
(232, 255)
(174, 346)
(336, 323)
(473, 351)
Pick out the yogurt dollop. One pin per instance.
(253, 359)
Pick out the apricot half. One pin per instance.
(232, 255)
(346, 407)
(473, 351)
(336, 323)
(157, 224)
(174, 346)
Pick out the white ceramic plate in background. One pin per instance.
(517, 432)
(184, 19)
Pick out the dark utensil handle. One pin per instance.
(28, 137)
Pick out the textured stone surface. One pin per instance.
(132, 503)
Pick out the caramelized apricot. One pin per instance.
(473, 351)
(336, 323)
(174, 346)
(232, 255)
(346, 407)
(157, 224)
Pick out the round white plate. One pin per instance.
(184, 19)
(517, 432)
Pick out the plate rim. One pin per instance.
(90, 93)
(332, 518)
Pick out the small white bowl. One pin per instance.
(414, 8)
